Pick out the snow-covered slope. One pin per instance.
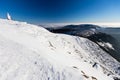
(29, 52)
(97, 34)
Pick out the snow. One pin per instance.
(110, 45)
(107, 44)
(29, 52)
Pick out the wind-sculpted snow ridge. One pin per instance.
(29, 52)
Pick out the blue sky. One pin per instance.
(61, 11)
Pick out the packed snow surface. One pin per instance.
(29, 52)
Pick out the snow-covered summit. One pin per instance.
(29, 52)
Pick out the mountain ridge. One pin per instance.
(94, 33)
(31, 52)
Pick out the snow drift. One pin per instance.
(29, 52)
